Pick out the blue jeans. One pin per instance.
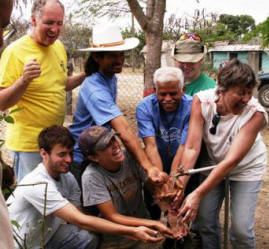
(25, 162)
(243, 204)
(72, 237)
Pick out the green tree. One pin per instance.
(261, 31)
(238, 24)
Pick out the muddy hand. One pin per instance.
(157, 176)
(163, 229)
(146, 234)
(190, 207)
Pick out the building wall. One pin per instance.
(253, 60)
(219, 58)
(242, 56)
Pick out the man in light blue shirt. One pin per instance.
(97, 97)
(163, 122)
(163, 118)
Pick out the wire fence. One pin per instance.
(130, 92)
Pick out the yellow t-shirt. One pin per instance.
(43, 102)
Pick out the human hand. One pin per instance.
(171, 189)
(31, 71)
(190, 206)
(178, 227)
(156, 176)
(146, 234)
(163, 229)
(179, 194)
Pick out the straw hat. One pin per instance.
(107, 37)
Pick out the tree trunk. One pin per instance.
(152, 25)
(152, 61)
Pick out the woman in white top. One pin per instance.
(229, 120)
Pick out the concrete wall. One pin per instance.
(219, 58)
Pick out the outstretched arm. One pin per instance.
(238, 150)
(121, 125)
(108, 210)
(72, 215)
(152, 152)
(187, 155)
(194, 139)
(74, 81)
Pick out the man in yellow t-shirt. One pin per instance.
(6, 237)
(33, 76)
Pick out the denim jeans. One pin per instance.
(24, 162)
(244, 195)
(72, 237)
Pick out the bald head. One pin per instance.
(39, 4)
(5, 12)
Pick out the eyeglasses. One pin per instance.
(9, 31)
(190, 36)
(215, 122)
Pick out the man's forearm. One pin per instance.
(152, 152)
(74, 81)
(134, 146)
(11, 95)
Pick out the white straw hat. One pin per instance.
(107, 37)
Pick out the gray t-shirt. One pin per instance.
(27, 204)
(123, 188)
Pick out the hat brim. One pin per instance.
(129, 43)
(105, 140)
(192, 58)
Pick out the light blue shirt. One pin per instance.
(154, 123)
(96, 106)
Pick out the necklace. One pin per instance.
(167, 124)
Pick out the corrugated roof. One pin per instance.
(237, 47)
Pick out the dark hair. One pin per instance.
(236, 73)
(53, 135)
(39, 4)
(91, 66)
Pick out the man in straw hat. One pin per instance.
(189, 54)
(97, 96)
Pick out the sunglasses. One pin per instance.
(9, 31)
(215, 122)
(190, 36)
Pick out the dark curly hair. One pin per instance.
(236, 73)
(91, 65)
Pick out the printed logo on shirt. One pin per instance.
(171, 135)
(62, 66)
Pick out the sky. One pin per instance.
(258, 9)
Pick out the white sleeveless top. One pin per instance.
(253, 165)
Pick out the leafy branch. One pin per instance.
(17, 237)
